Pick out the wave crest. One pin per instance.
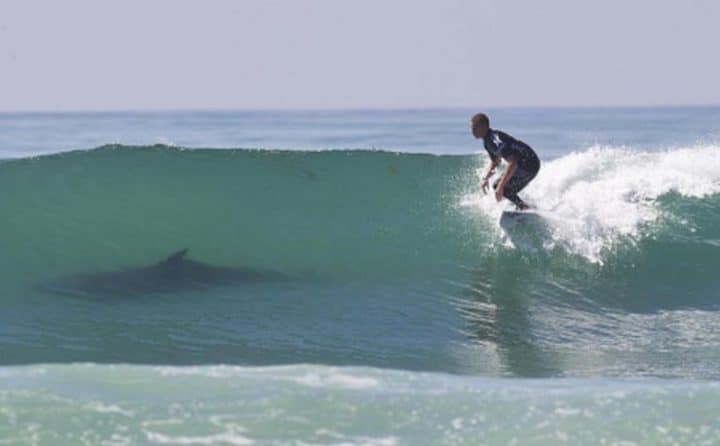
(596, 197)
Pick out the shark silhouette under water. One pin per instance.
(173, 274)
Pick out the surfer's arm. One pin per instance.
(509, 171)
(491, 168)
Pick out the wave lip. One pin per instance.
(598, 197)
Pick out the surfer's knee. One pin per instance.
(510, 195)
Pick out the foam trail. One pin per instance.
(598, 196)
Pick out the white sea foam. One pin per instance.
(224, 438)
(108, 408)
(260, 405)
(591, 199)
(358, 441)
(335, 379)
(331, 378)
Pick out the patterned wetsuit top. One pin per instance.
(500, 144)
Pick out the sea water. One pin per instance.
(407, 314)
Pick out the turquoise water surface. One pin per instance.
(346, 281)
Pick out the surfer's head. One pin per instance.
(479, 125)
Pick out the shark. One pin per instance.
(173, 274)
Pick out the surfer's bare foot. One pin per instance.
(522, 207)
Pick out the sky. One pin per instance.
(327, 54)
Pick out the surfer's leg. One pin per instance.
(510, 191)
(519, 180)
(516, 200)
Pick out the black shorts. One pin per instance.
(516, 183)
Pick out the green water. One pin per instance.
(387, 263)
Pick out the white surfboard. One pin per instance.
(529, 216)
(528, 229)
(527, 213)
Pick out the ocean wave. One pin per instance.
(246, 405)
(592, 200)
(324, 257)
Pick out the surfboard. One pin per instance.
(520, 213)
(528, 229)
(526, 216)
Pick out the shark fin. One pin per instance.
(175, 257)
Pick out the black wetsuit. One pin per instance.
(501, 145)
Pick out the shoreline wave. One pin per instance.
(330, 405)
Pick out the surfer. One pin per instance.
(523, 162)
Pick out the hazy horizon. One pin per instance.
(324, 55)
(359, 109)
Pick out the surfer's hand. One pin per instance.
(499, 192)
(485, 185)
